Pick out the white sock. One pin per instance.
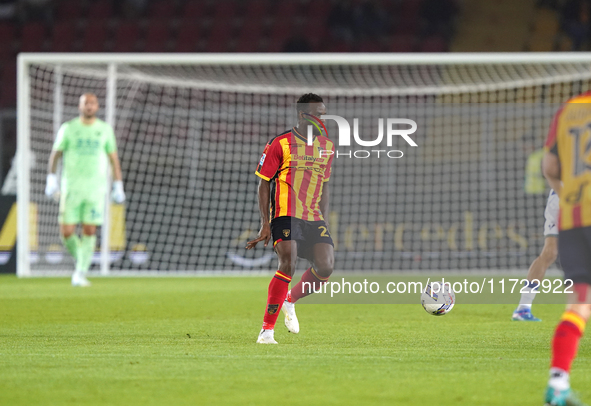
(527, 297)
(559, 379)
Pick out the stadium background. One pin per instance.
(188, 341)
(304, 26)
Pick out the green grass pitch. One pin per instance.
(191, 341)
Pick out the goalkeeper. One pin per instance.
(86, 144)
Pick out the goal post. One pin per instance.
(191, 128)
(23, 172)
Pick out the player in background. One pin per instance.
(86, 144)
(538, 268)
(567, 167)
(293, 199)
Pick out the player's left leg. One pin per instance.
(92, 216)
(319, 250)
(316, 275)
(312, 280)
(85, 252)
(535, 275)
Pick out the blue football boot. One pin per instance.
(524, 315)
(561, 398)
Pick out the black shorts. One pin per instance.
(305, 233)
(574, 247)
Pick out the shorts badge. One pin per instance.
(286, 232)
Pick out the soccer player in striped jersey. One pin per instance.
(293, 198)
(567, 167)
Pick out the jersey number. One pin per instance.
(580, 164)
(581, 157)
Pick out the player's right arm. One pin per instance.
(60, 145)
(264, 194)
(269, 164)
(53, 161)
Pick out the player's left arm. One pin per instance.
(551, 161)
(118, 195)
(116, 165)
(324, 201)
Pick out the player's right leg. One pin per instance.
(70, 215)
(547, 257)
(287, 250)
(70, 239)
(575, 251)
(535, 275)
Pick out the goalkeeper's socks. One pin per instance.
(528, 295)
(310, 281)
(566, 340)
(277, 292)
(85, 252)
(72, 244)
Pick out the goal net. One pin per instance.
(191, 129)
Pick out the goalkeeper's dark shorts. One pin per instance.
(574, 247)
(305, 233)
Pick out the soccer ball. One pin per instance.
(438, 298)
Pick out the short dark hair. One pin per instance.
(307, 98)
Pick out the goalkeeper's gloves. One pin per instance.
(118, 195)
(51, 187)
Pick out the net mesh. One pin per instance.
(190, 137)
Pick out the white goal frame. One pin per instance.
(112, 60)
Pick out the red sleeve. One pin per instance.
(550, 144)
(328, 169)
(270, 161)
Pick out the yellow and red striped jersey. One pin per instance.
(298, 172)
(570, 139)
